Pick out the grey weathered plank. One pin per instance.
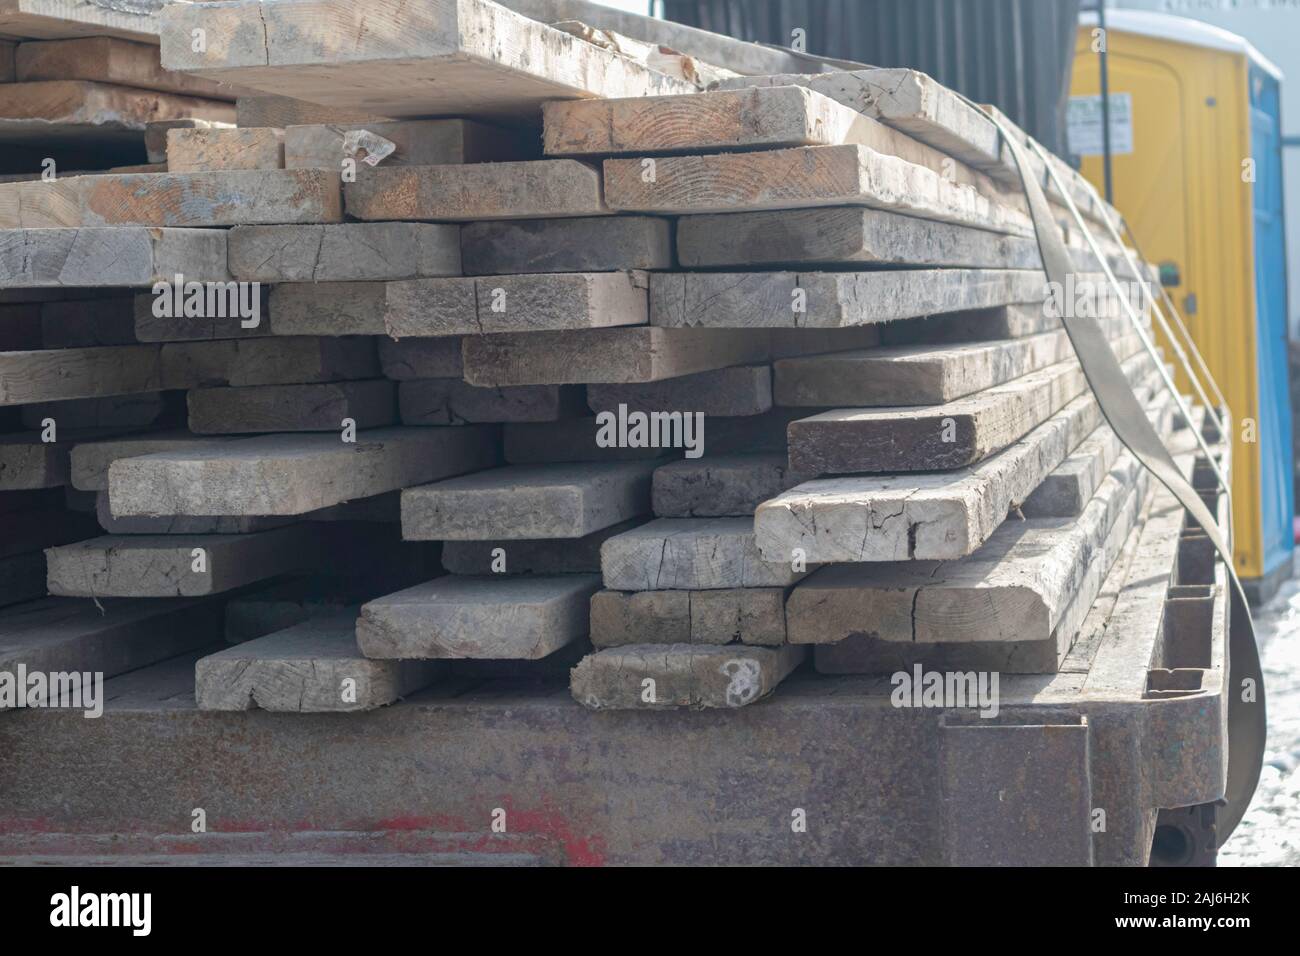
(719, 485)
(919, 516)
(61, 634)
(612, 356)
(954, 434)
(801, 178)
(831, 300)
(524, 190)
(845, 234)
(690, 554)
(754, 616)
(394, 59)
(913, 374)
(325, 406)
(295, 474)
(524, 502)
(480, 618)
(343, 252)
(109, 256)
(312, 667)
(168, 565)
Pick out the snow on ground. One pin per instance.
(1269, 835)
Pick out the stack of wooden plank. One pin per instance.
(82, 88)
(672, 383)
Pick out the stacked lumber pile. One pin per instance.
(593, 369)
(83, 89)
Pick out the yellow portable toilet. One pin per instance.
(1196, 163)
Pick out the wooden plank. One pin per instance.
(197, 150)
(66, 635)
(53, 374)
(914, 103)
(344, 252)
(829, 300)
(90, 459)
(59, 19)
(586, 244)
(167, 565)
(455, 306)
(7, 72)
(846, 234)
(621, 355)
(528, 502)
(716, 48)
(27, 462)
(415, 142)
(690, 554)
(913, 375)
(312, 667)
(450, 401)
(106, 257)
(295, 474)
(664, 677)
(224, 198)
(468, 58)
(955, 434)
(48, 113)
(323, 407)
(1023, 617)
(106, 59)
(179, 524)
(918, 516)
(800, 178)
(495, 618)
(155, 136)
(754, 616)
(752, 118)
(719, 485)
(360, 308)
(907, 100)
(524, 190)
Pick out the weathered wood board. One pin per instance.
(469, 58)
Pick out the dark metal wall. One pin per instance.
(1015, 54)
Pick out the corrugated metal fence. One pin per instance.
(1015, 54)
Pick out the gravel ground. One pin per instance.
(1269, 835)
